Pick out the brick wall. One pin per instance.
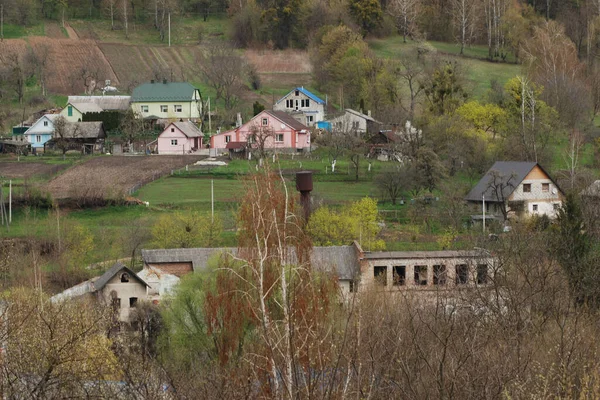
(177, 269)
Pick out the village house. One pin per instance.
(118, 287)
(303, 105)
(41, 131)
(355, 122)
(179, 138)
(78, 106)
(87, 137)
(273, 130)
(167, 101)
(514, 189)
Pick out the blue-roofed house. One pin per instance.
(303, 105)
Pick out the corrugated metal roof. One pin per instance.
(188, 128)
(361, 115)
(108, 103)
(341, 260)
(170, 91)
(305, 92)
(85, 108)
(286, 119)
(512, 174)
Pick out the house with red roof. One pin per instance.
(272, 130)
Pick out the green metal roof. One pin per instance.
(159, 91)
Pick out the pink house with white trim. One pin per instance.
(281, 131)
(180, 138)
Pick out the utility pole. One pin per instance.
(2, 22)
(10, 202)
(209, 119)
(212, 201)
(483, 207)
(125, 18)
(169, 29)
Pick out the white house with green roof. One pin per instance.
(167, 101)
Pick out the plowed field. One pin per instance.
(113, 176)
(68, 59)
(26, 170)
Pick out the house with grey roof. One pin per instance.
(167, 101)
(118, 287)
(87, 137)
(182, 137)
(516, 188)
(78, 106)
(354, 122)
(303, 105)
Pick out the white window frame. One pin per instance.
(164, 108)
(38, 138)
(227, 138)
(265, 122)
(279, 138)
(45, 123)
(178, 108)
(144, 109)
(173, 142)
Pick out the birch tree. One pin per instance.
(464, 15)
(405, 13)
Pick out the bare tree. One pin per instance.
(260, 138)
(500, 186)
(405, 13)
(38, 59)
(111, 8)
(223, 70)
(413, 73)
(464, 15)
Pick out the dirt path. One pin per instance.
(71, 32)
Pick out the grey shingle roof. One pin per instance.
(513, 171)
(170, 91)
(287, 119)
(114, 270)
(341, 260)
(108, 103)
(188, 128)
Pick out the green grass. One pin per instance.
(12, 31)
(184, 30)
(479, 71)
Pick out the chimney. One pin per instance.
(238, 120)
(304, 184)
(369, 113)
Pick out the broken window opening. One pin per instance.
(421, 275)
(399, 275)
(380, 275)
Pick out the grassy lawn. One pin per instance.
(479, 71)
(18, 31)
(184, 30)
